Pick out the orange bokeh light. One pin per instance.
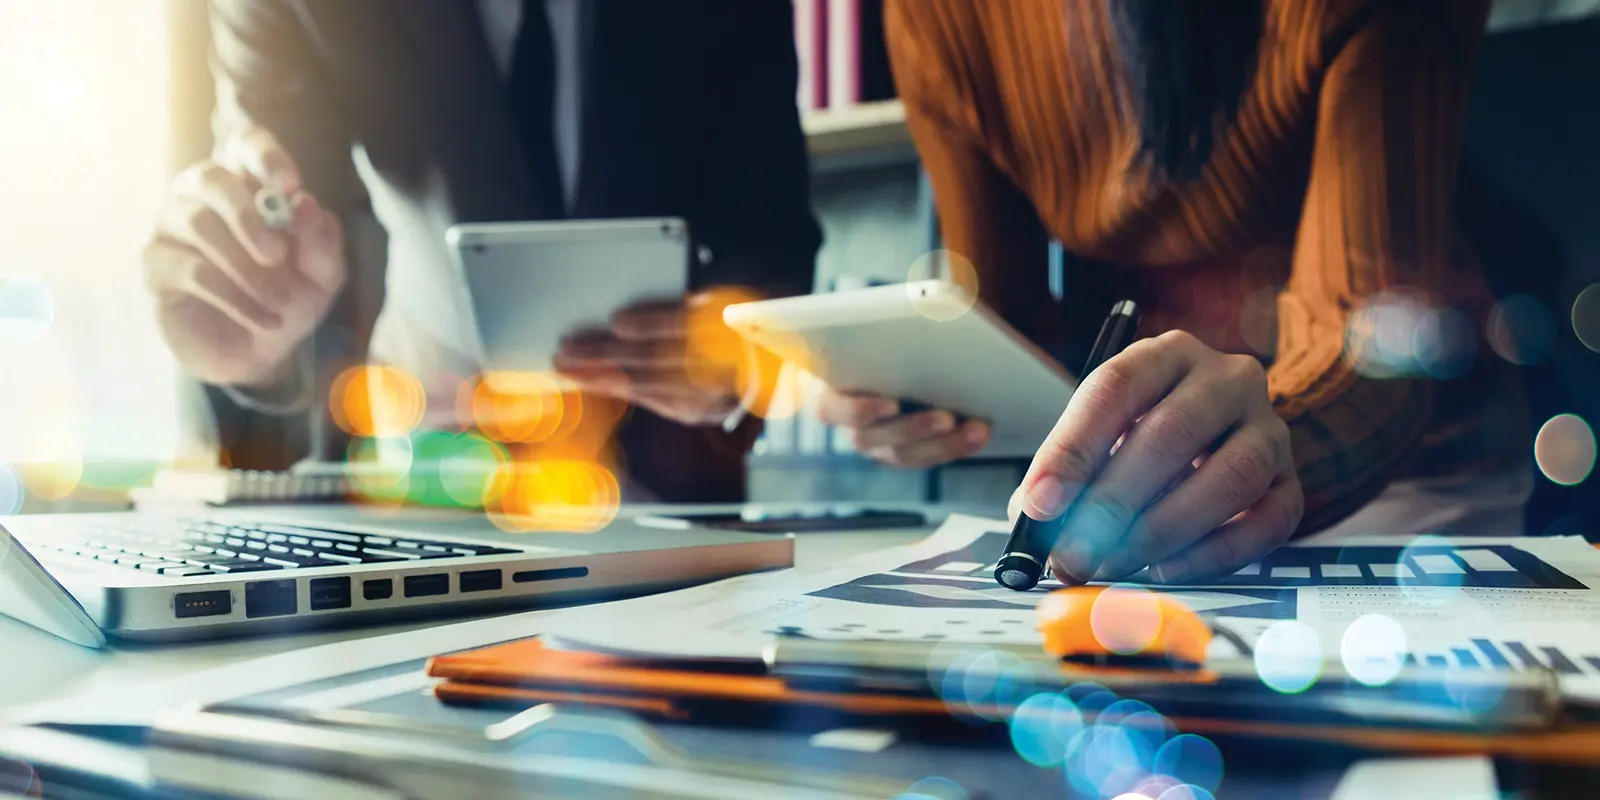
(715, 353)
(556, 495)
(522, 407)
(377, 401)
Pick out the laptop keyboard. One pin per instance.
(190, 548)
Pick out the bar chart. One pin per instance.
(1505, 655)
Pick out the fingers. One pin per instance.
(176, 272)
(199, 228)
(651, 320)
(1102, 408)
(1159, 448)
(594, 347)
(318, 245)
(854, 410)
(1252, 534)
(903, 430)
(1229, 481)
(927, 450)
(232, 197)
(257, 152)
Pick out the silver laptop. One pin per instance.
(149, 576)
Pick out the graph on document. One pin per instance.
(1511, 654)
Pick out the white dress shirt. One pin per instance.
(427, 325)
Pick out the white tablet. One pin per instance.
(532, 283)
(926, 342)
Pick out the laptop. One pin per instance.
(168, 577)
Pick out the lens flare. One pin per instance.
(1373, 649)
(1289, 656)
(1400, 333)
(1444, 344)
(934, 788)
(714, 353)
(1565, 449)
(520, 407)
(943, 306)
(1521, 331)
(11, 490)
(472, 474)
(1186, 792)
(1585, 317)
(27, 307)
(377, 401)
(51, 481)
(1043, 726)
(1190, 759)
(1125, 619)
(1111, 760)
(555, 495)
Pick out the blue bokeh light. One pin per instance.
(1043, 728)
(1191, 759)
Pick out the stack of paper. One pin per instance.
(1459, 604)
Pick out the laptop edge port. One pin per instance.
(428, 585)
(482, 580)
(270, 598)
(327, 593)
(214, 603)
(377, 589)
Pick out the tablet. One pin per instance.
(532, 283)
(923, 342)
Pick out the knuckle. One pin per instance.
(1176, 339)
(1109, 385)
(1246, 369)
(1071, 462)
(210, 173)
(1173, 434)
(1247, 472)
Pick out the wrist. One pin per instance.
(285, 389)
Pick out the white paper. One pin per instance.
(138, 705)
(1469, 604)
(1463, 778)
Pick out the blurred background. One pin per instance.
(105, 99)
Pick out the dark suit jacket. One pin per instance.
(689, 111)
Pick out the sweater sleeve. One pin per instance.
(1376, 218)
(983, 216)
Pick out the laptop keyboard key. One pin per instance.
(392, 554)
(235, 567)
(341, 558)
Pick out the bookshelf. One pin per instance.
(865, 128)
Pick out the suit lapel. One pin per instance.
(464, 118)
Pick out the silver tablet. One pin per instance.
(532, 283)
(926, 341)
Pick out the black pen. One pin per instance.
(1022, 563)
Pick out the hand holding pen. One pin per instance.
(1169, 456)
(244, 263)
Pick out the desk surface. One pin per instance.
(42, 667)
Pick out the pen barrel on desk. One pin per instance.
(1027, 553)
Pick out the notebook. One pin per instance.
(305, 482)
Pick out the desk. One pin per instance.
(42, 667)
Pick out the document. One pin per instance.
(1462, 604)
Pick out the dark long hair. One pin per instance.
(1188, 64)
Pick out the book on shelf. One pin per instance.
(857, 55)
(811, 48)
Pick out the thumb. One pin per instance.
(259, 153)
(319, 244)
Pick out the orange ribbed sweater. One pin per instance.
(1333, 185)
